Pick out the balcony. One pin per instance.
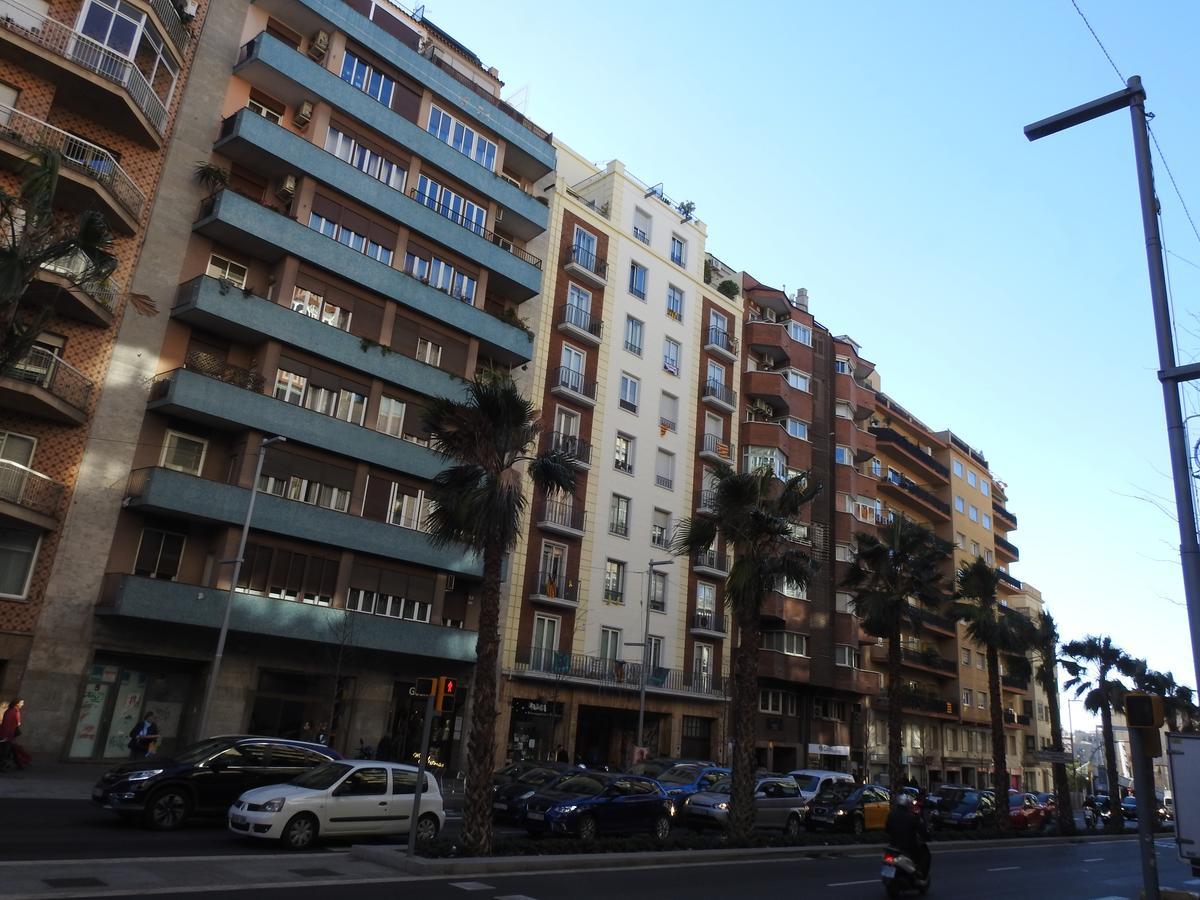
(156, 600)
(1006, 549)
(560, 517)
(89, 176)
(1003, 516)
(28, 496)
(719, 343)
(930, 704)
(587, 265)
(933, 504)
(1013, 683)
(1007, 581)
(1011, 718)
(562, 666)
(44, 385)
(859, 681)
(706, 623)
(224, 397)
(63, 284)
(719, 395)
(237, 221)
(706, 503)
(571, 385)
(573, 446)
(784, 667)
(555, 589)
(711, 563)
(714, 449)
(578, 322)
(911, 451)
(933, 621)
(91, 79)
(928, 660)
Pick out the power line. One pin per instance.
(1099, 43)
(1175, 185)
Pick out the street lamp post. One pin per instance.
(215, 671)
(653, 564)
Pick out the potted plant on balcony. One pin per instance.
(211, 176)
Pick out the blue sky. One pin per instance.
(873, 153)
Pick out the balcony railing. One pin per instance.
(557, 586)
(61, 40)
(1005, 578)
(1002, 512)
(75, 269)
(612, 595)
(720, 391)
(578, 317)
(1012, 681)
(714, 445)
(711, 559)
(472, 226)
(659, 537)
(168, 14)
(923, 702)
(571, 445)
(916, 490)
(589, 260)
(929, 658)
(717, 337)
(710, 621)
(215, 367)
(41, 367)
(706, 501)
(573, 381)
(29, 489)
(76, 154)
(932, 618)
(1007, 545)
(560, 513)
(619, 526)
(892, 436)
(561, 664)
(1013, 718)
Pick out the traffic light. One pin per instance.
(1143, 710)
(447, 687)
(426, 687)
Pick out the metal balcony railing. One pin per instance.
(1007, 545)
(561, 513)
(711, 559)
(932, 618)
(571, 445)
(720, 338)
(1012, 681)
(892, 436)
(1005, 578)
(710, 621)
(548, 663)
(215, 367)
(1002, 512)
(924, 702)
(720, 391)
(472, 226)
(578, 317)
(659, 537)
(556, 585)
(573, 381)
(76, 154)
(168, 14)
(910, 486)
(41, 367)
(586, 258)
(611, 595)
(61, 40)
(75, 269)
(711, 443)
(706, 501)
(29, 489)
(930, 658)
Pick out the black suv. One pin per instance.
(203, 779)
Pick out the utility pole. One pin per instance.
(653, 564)
(1170, 374)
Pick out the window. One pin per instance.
(429, 352)
(629, 393)
(841, 366)
(843, 410)
(633, 335)
(367, 78)
(347, 148)
(159, 554)
(618, 516)
(675, 303)
(664, 470)
(974, 548)
(287, 575)
(678, 250)
(259, 108)
(985, 488)
(581, 299)
(843, 553)
(768, 457)
(828, 708)
(958, 468)
(183, 453)
(453, 206)
(770, 701)
(706, 599)
(623, 453)
(960, 540)
(391, 416)
(614, 581)
(971, 479)
(668, 412)
(799, 332)
(226, 270)
(462, 138)
(844, 655)
(671, 352)
(966, 697)
(351, 238)
(981, 699)
(314, 305)
(289, 387)
(408, 507)
(641, 225)
(973, 513)
(660, 529)
(987, 521)
(844, 602)
(125, 30)
(610, 643)
(959, 504)
(876, 466)
(843, 455)
(980, 661)
(987, 556)
(658, 591)
(637, 280)
(788, 643)
(797, 380)
(966, 657)
(797, 429)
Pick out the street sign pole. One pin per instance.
(416, 811)
(1147, 814)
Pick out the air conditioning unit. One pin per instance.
(303, 113)
(450, 582)
(287, 188)
(318, 46)
(191, 8)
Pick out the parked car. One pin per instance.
(943, 799)
(513, 771)
(686, 778)
(652, 768)
(1024, 812)
(849, 807)
(203, 779)
(345, 798)
(591, 803)
(810, 781)
(966, 809)
(509, 800)
(1162, 813)
(1048, 800)
(778, 806)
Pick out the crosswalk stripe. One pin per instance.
(471, 886)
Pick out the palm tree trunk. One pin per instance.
(1066, 815)
(999, 758)
(895, 716)
(745, 707)
(1116, 822)
(481, 747)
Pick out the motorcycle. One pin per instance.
(900, 874)
(1089, 818)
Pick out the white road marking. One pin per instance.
(1003, 868)
(1095, 859)
(848, 883)
(471, 886)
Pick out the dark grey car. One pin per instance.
(778, 806)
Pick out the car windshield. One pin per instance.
(584, 785)
(539, 776)
(969, 798)
(322, 777)
(724, 786)
(679, 775)
(201, 751)
(838, 792)
(808, 783)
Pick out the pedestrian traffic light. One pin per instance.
(426, 687)
(446, 689)
(1143, 710)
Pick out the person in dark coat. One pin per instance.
(562, 755)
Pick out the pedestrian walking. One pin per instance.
(306, 733)
(562, 756)
(143, 739)
(322, 735)
(10, 730)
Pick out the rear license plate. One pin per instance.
(499, 806)
(237, 820)
(888, 872)
(536, 816)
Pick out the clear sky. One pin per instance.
(872, 152)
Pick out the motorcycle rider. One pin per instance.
(907, 832)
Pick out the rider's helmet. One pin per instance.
(904, 799)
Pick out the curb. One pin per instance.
(395, 858)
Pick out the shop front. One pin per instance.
(536, 729)
(830, 757)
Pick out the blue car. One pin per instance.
(593, 803)
(682, 780)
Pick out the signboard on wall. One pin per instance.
(829, 750)
(524, 707)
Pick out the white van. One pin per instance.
(810, 781)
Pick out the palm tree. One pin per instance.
(1045, 655)
(32, 237)
(893, 581)
(1178, 704)
(755, 513)
(1006, 635)
(479, 501)
(1093, 665)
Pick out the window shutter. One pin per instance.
(375, 503)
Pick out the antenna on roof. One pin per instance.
(519, 99)
(419, 12)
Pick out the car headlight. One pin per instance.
(566, 809)
(723, 805)
(143, 774)
(526, 795)
(273, 805)
(840, 812)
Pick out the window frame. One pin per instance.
(162, 458)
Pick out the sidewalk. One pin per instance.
(51, 781)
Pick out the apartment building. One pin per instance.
(1036, 775)
(368, 251)
(99, 82)
(635, 364)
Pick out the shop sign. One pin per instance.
(829, 750)
(524, 707)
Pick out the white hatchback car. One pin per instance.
(344, 798)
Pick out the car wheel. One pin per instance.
(427, 829)
(587, 828)
(792, 828)
(662, 828)
(300, 832)
(168, 809)
(857, 826)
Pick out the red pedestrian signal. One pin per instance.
(446, 689)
